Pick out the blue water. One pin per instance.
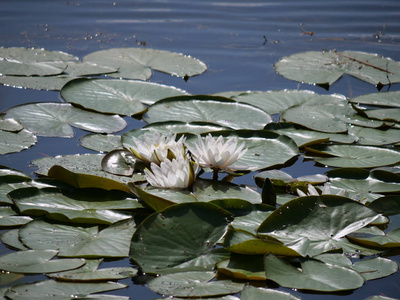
(238, 40)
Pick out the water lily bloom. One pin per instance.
(175, 173)
(153, 147)
(217, 154)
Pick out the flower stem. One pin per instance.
(215, 174)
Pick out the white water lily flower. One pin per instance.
(175, 173)
(155, 147)
(218, 154)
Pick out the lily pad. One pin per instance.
(243, 267)
(75, 69)
(50, 289)
(218, 110)
(101, 142)
(123, 97)
(390, 99)
(8, 217)
(37, 261)
(183, 127)
(193, 284)
(177, 235)
(273, 102)
(94, 206)
(326, 67)
(376, 267)
(15, 142)
(375, 137)
(55, 119)
(356, 156)
(17, 68)
(11, 239)
(34, 55)
(250, 293)
(49, 83)
(324, 220)
(313, 275)
(73, 241)
(10, 124)
(388, 114)
(90, 272)
(136, 63)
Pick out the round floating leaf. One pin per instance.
(34, 55)
(389, 205)
(265, 148)
(8, 217)
(376, 267)
(390, 99)
(375, 137)
(15, 142)
(213, 109)
(388, 114)
(244, 267)
(37, 261)
(124, 97)
(304, 137)
(90, 272)
(313, 275)
(28, 69)
(101, 142)
(325, 68)
(382, 240)
(356, 156)
(119, 162)
(10, 125)
(193, 284)
(362, 180)
(273, 102)
(324, 220)
(55, 119)
(84, 206)
(182, 127)
(178, 234)
(36, 82)
(50, 289)
(75, 69)
(73, 241)
(203, 191)
(136, 63)
(250, 293)
(11, 239)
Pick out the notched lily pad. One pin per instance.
(16, 141)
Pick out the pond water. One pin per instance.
(238, 40)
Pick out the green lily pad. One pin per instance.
(93, 206)
(55, 119)
(37, 261)
(390, 99)
(304, 137)
(73, 241)
(250, 293)
(182, 127)
(361, 180)
(265, 148)
(379, 241)
(49, 83)
(388, 205)
(11, 239)
(179, 234)
(218, 110)
(8, 217)
(325, 68)
(83, 170)
(193, 284)
(15, 142)
(376, 267)
(136, 63)
(17, 68)
(50, 289)
(76, 69)
(11, 125)
(243, 267)
(34, 55)
(356, 156)
(273, 102)
(123, 97)
(90, 272)
(375, 137)
(101, 142)
(203, 191)
(119, 162)
(388, 114)
(313, 275)
(324, 220)
(328, 114)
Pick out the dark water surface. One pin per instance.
(238, 40)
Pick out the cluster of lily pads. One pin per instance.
(146, 194)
